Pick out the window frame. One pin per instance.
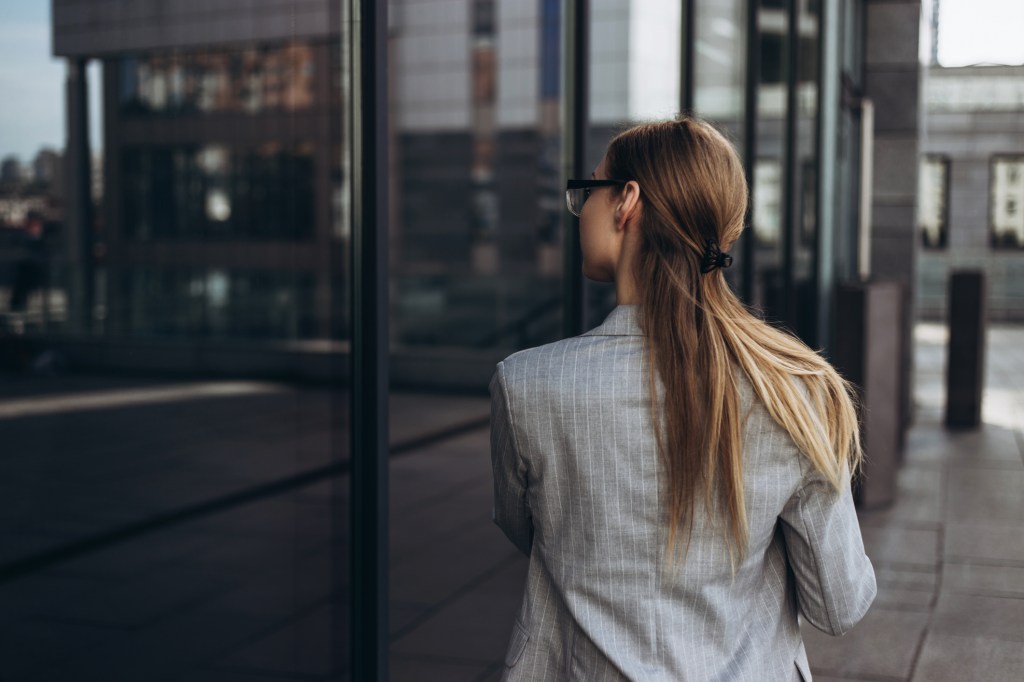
(993, 240)
(943, 242)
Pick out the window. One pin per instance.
(1007, 208)
(252, 80)
(933, 202)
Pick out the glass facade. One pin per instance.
(175, 399)
(177, 305)
(254, 79)
(476, 240)
(218, 192)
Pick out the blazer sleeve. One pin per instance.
(835, 581)
(511, 507)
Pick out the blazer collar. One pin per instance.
(621, 321)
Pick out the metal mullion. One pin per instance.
(825, 132)
(367, 74)
(686, 53)
(789, 213)
(575, 93)
(750, 140)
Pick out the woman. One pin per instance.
(680, 475)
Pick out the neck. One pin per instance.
(626, 292)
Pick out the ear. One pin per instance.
(629, 205)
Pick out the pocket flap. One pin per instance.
(517, 646)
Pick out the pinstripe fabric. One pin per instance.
(576, 487)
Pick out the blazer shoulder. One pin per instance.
(539, 358)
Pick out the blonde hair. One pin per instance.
(694, 190)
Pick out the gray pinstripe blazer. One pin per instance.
(576, 486)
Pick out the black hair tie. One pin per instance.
(714, 257)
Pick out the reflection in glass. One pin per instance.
(720, 64)
(476, 253)
(767, 201)
(932, 201)
(634, 75)
(216, 192)
(803, 308)
(172, 337)
(768, 191)
(251, 80)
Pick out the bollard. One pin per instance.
(965, 361)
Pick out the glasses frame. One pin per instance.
(586, 185)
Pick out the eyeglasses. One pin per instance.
(578, 191)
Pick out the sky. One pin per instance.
(980, 32)
(32, 81)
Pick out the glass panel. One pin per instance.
(253, 79)
(805, 183)
(769, 168)
(720, 76)
(476, 255)
(476, 250)
(846, 189)
(720, 63)
(173, 287)
(634, 72)
(1007, 208)
(933, 202)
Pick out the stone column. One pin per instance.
(78, 213)
(892, 80)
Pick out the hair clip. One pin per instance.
(714, 257)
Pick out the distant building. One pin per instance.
(47, 170)
(11, 171)
(971, 197)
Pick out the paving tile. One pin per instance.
(279, 593)
(495, 673)
(946, 658)
(48, 650)
(458, 631)
(986, 495)
(918, 499)
(451, 513)
(137, 557)
(184, 642)
(306, 645)
(143, 600)
(228, 676)
(904, 599)
(897, 545)
(40, 595)
(402, 614)
(421, 669)
(29, 647)
(924, 578)
(996, 581)
(992, 542)
(439, 570)
(968, 615)
(883, 645)
(989, 446)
